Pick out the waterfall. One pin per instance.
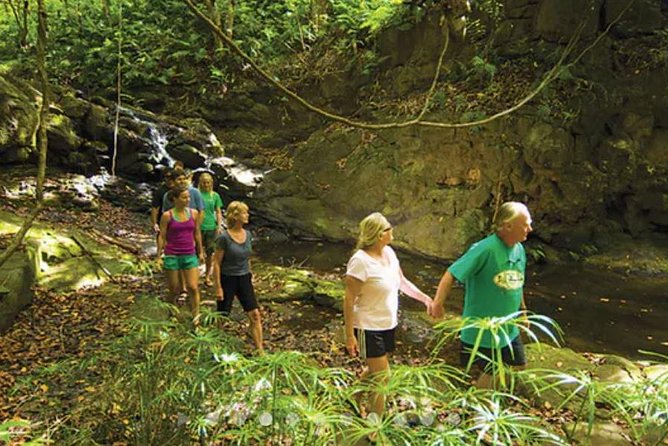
(157, 136)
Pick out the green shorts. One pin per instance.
(209, 241)
(184, 262)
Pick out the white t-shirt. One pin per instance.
(376, 306)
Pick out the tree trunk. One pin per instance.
(41, 132)
(229, 20)
(21, 18)
(214, 14)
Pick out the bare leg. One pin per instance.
(182, 280)
(378, 369)
(256, 328)
(487, 381)
(192, 279)
(209, 270)
(174, 285)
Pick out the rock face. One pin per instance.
(588, 179)
(593, 168)
(81, 135)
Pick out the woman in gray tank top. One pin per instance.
(232, 270)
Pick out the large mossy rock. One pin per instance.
(278, 284)
(17, 276)
(18, 120)
(53, 259)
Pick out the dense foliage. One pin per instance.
(160, 42)
(164, 383)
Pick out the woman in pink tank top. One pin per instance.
(181, 240)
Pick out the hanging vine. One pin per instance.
(549, 77)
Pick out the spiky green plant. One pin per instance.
(643, 405)
(495, 424)
(499, 329)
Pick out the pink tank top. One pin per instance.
(180, 236)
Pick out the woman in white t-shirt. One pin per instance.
(373, 281)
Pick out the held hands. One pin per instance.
(429, 304)
(436, 310)
(351, 346)
(156, 228)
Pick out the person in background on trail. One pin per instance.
(156, 200)
(182, 179)
(373, 281)
(232, 272)
(180, 239)
(213, 219)
(492, 271)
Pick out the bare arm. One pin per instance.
(217, 260)
(162, 238)
(219, 220)
(198, 233)
(353, 289)
(155, 215)
(411, 290)
(443, 291)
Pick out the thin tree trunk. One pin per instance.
(229, 20)
(214, 14)
(41, 132)
(46, 93)
(21, 18)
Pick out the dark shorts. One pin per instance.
(240, 286)
(512, 354)
(209, 241)
(375, 343)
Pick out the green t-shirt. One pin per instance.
(212, 202)
(493, 275)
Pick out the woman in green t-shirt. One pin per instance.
(212, 223)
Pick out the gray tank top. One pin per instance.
(235, 261)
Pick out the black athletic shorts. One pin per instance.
(240, 286)
(512, 354)
(374, 343)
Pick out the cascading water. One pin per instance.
(157, 137)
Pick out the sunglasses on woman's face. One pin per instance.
(387, 229)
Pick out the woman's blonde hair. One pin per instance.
(508, 212)
(371, 228)
(202, 177)
(234, 211)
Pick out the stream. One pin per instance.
(599, 311)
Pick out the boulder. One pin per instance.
(643, 17)
(656, 372)
(62, 136)
(18, 120)
(559, 19)
(603, 433)
(96, 124)
(189, 155)
(17, 277)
